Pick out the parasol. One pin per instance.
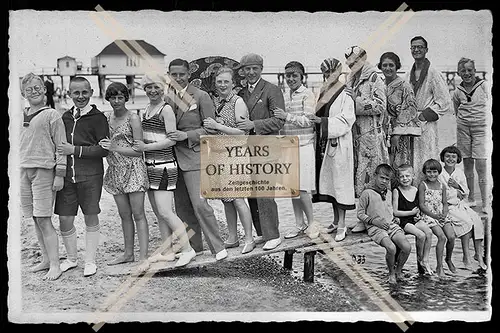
(203, 73)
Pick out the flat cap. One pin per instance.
(251, 59)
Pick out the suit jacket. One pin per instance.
(265, 97)
(190, 111)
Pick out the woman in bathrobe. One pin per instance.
(335, 117)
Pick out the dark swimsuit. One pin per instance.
(405, 205)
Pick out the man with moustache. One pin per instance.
(261, 98)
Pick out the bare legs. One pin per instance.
(439, 249)
(481, 168)
(233, 209)
(44, 264)
(450, 244)
(168, 221)
(245, 217)
(427, 245)
(231, 220)
(465, 239)
(132, 205)
(49, 243)
(420, 239)
(400, 241)
(303, 205)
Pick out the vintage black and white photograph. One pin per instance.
(379, 208)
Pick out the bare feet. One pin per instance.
(440, 272)
(142, 266)
(399, 276)
(467, 264)
(392, 279)
(162, 257)
(482, 264)
(428, 269)
(121, 259)
(41, 266)
(53, 273)
(451, 266)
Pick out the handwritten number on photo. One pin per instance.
(358, 258)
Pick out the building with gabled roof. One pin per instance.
(127, 57)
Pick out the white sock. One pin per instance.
(91, 243)
(69, 240)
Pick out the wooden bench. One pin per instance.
(302, 244)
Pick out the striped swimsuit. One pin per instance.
(161, 164)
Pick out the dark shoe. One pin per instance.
(230, 245)
(331, 228)
(259, 240)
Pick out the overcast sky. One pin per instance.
(38, 38)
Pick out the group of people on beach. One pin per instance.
(353, 139)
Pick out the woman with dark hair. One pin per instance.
(299, 103)
(402, 110)
(126, 178)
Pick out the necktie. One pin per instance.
(77, 113)
(250, 88)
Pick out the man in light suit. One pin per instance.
(261, 98)
(191, 105)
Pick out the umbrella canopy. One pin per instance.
(203, 73)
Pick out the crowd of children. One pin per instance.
(436, 207)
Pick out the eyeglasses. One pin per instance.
(30, 90)
(417, 47)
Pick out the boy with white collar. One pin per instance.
(85, 127)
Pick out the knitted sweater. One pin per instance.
(371, 206)
(39, 142)
(85, 133)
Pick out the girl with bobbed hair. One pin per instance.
(465, 221)
(126, 178)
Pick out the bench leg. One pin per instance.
(309, 266)
(287, 262)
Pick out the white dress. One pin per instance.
(297, 105)
(462, 216)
